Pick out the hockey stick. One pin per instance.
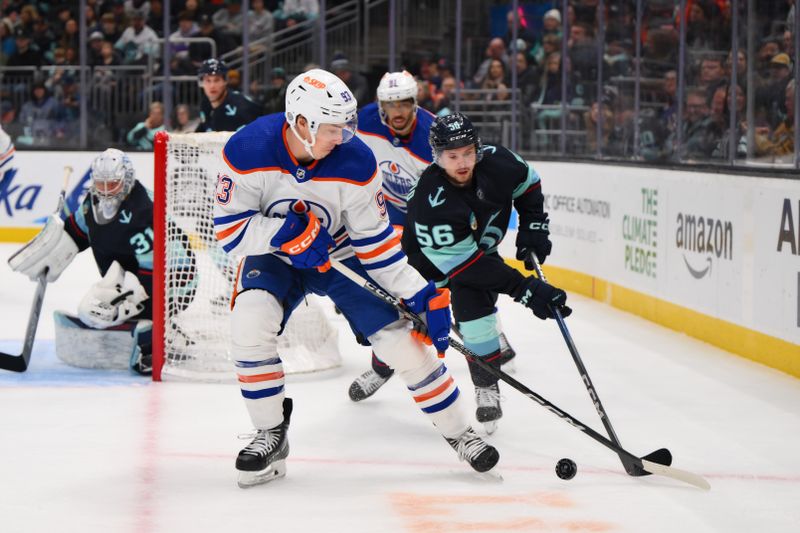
(647, 463)
(663, 455)
(19, 363)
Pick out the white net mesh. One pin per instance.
(198, 283)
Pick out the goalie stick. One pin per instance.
(19, 363)
(663, 455)
(649, 463)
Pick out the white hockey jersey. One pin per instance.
(400, 161)
(343, 190)
(6, 150)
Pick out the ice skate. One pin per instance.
(489, 410)
(507, 355)
(264, 459)
(366, 385)
(481, 456)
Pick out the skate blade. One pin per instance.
(492, 476)
(490, 427)
(274, 471)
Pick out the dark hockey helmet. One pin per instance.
(453, 131)
(212, 67)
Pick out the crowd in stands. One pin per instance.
(125, 32)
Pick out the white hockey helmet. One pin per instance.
(113, 176)
(322, 98)
(395, 87)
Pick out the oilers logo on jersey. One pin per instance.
(279, 208)
(396, 180)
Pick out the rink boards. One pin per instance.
(715, 256)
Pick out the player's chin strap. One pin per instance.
(307, 145)
(654, 463)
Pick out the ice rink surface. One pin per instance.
(102, 451)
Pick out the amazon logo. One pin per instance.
(702, 239)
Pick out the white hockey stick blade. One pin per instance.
(676, 473)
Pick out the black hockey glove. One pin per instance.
(542, 298)
(533, 236)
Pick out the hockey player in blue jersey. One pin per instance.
(397, 131)
(457, 215)
(300, 189)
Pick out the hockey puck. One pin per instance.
(566, 468)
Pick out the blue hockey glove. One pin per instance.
(542, 298)
(434, 306)
(304, 240)
(533, 236)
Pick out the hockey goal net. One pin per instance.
(193, 276)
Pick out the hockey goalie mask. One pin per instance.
(394, 88)
(112, 180)
(322, 98)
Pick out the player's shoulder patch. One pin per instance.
(252, 148)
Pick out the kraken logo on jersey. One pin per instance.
(279, 208)
(396, 179)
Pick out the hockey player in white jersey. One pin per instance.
(396, 129)
(300, 189)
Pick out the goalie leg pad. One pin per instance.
(426, 376)
(255, 323)
(85, 347)
(52, 248)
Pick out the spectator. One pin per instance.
(137, 41)
(781, 141)
(771, 95)
(741, 67)
(108, 25)
(155, 18)
(186, 29)
(550, 86)
(37, 116)
(295, 11)
(495, 50)
(447, 96)
(770, 47)
(70, 37)
(142, 135)
(260, 19)
(136, 7)
(698, 136)
(720, 115)
(95, 48)
(184, 122)
(711, 72)
(230, 20)
(43, 37)
(670, 89)
(26, 55)
(591, 118)
(527, 79)
(495, 82)
(7, 41)
(199, 52)
(551, 28)
(424, 99)
(700, 32)
(356, 82)
(274, 99)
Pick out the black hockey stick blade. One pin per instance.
(661, 456)
(19, 363)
